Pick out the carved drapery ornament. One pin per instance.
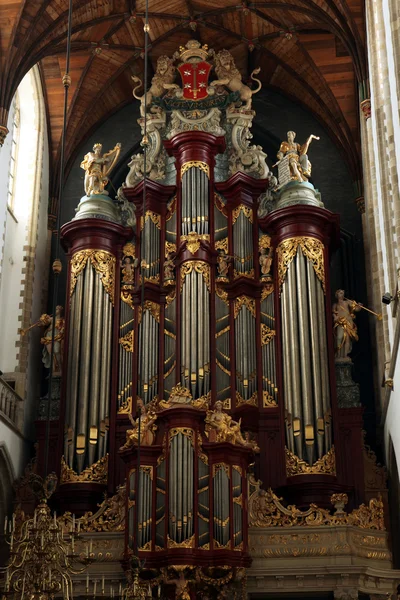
(246, 210)
(96, 473)
(296, 466)
(152, 307)
(267, 510)
(153, 217)
(103, 263)
(195, 163)
(312, 249)
(253, 400)
(246, 301)
(198, 265)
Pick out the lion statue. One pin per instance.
(162, 81)
(230, 76)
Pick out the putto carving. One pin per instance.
(220, 427)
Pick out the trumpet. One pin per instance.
(38, 322)
(377, 315)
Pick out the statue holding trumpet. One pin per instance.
(47, 341)
(344, 327)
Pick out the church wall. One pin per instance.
(5, 155)
(25, 264)
(381, 145)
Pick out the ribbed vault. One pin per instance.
(310, 50)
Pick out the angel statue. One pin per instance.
(293, 163)
(97, 167)
(344, 327)
(47, 339)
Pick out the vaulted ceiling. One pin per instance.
(310, 50)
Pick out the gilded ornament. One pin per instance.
(103, 263)
(153, 308)
(267, 334)
(222, 294)
(170, 248)
(247, 211)
(189, 543)
(293, 163)
(146, 419)
(222, 245)
(267, 510)
(128, 264)
(127, 341)
(126, 297)
(200, 267)
(193, 240)
(248, 274)
(220, 427)
(186, 431)
(296, 466)
(253, 400)
(96, 473)
(109, 517)
(246, 301)
(312, 249)
(126, 407)
(154, 217)
(268, 400)
(195, 163)
(267, 291)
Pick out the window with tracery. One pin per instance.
(14, 155)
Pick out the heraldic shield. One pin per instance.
(195, 79)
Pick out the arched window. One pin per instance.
(13, 154)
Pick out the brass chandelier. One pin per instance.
(42, 555)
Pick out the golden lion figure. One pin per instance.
(162, 81)
(230, 76)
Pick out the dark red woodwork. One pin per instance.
(194, 145)
(186, 416)
(77, 235)
(302, 220)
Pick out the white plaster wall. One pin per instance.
(17, 447)
(17, 229)
(5, 155)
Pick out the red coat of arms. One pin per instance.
(195, 80)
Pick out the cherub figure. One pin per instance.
(223, 261)
(265, 261)
(129, 264)
(169, 268)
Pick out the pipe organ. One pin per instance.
(199, 337)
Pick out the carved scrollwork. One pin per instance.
(296, 466)
(109, 517)
(198, 265)
(246, 210)
(249, 303)
(267, 510)
(103, 263)
(267, 334)
(127, 341)
(312, 249)
(96, 473)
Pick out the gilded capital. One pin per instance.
(365, 106)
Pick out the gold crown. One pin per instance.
(193, 48)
